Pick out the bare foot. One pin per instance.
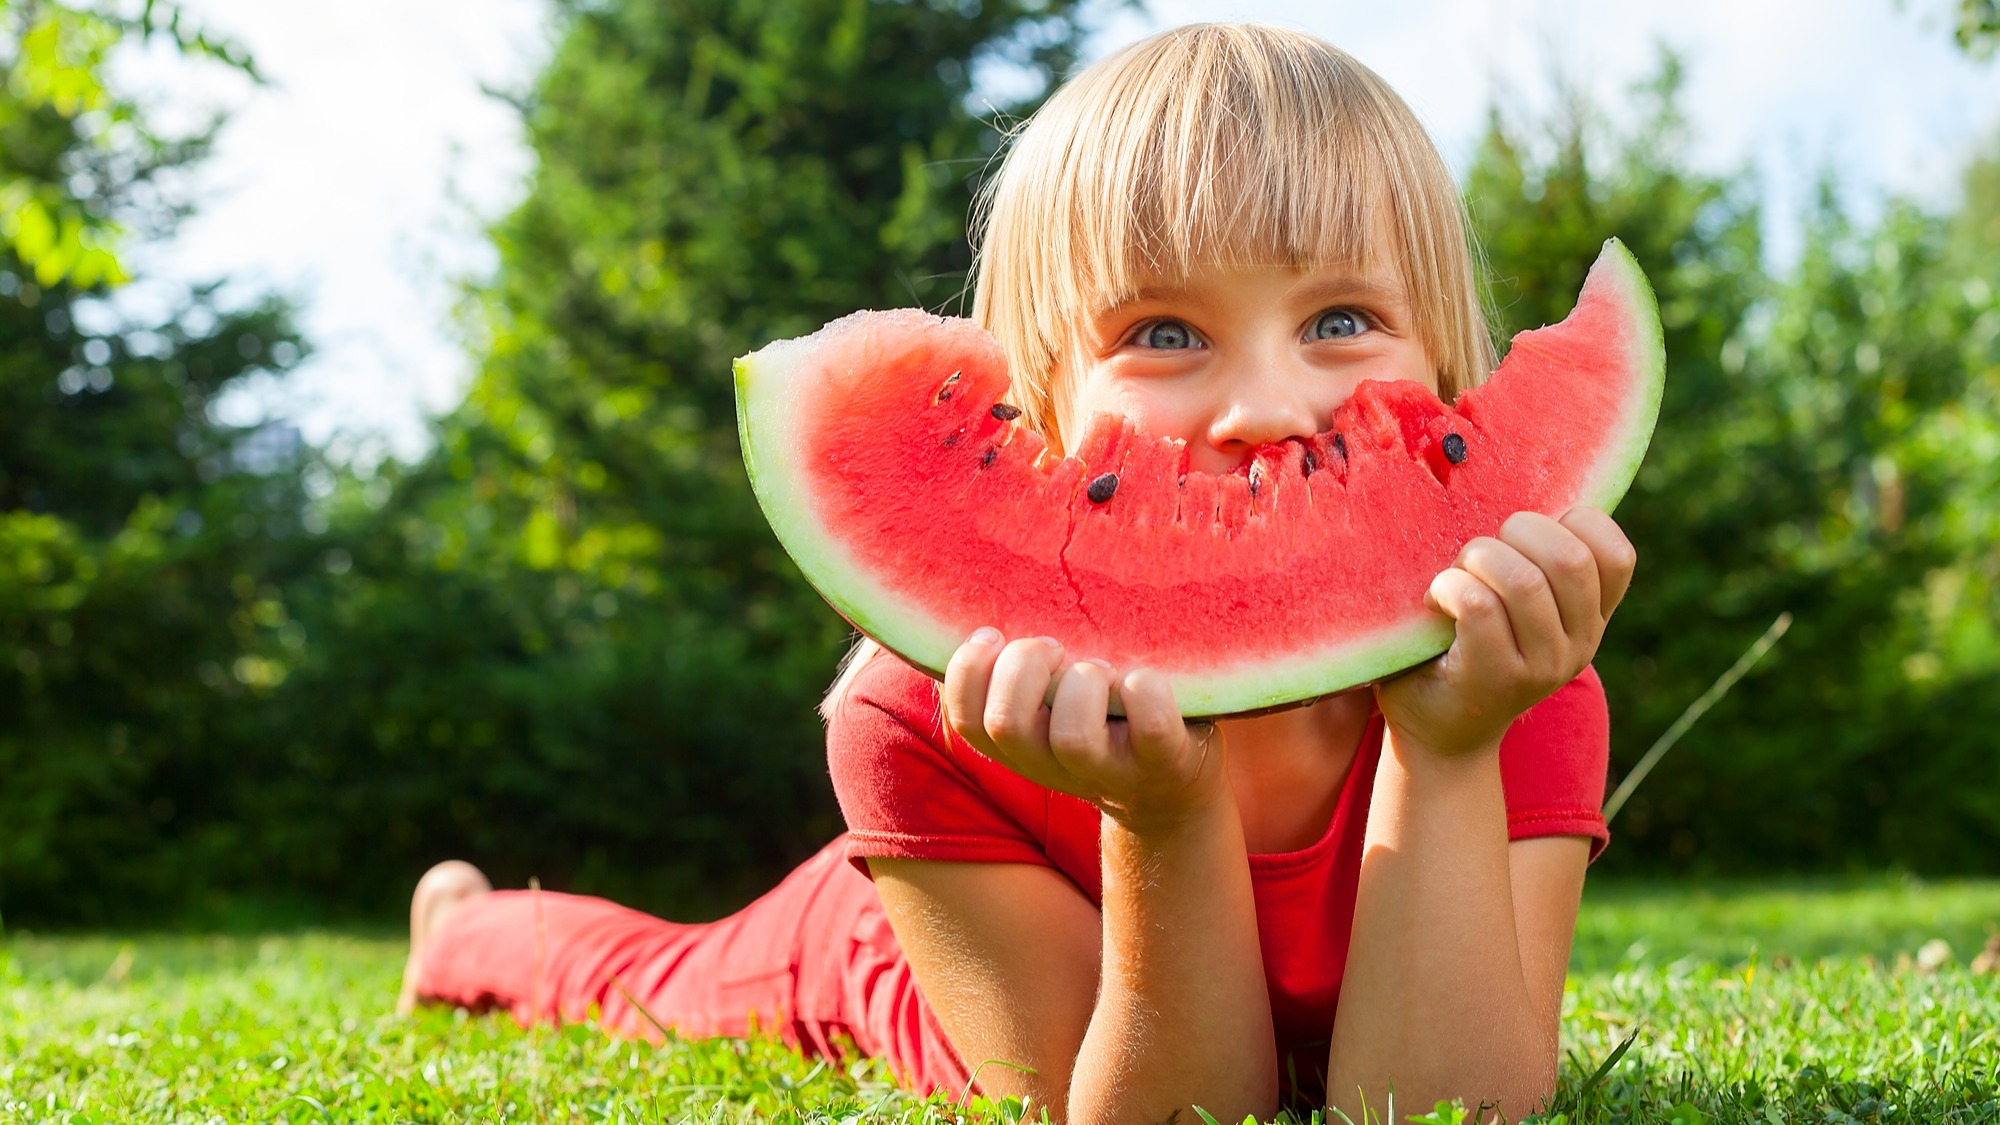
(438, 893)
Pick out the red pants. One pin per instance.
(814, 961)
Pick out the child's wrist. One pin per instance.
(1167, 823)
(1440, 752)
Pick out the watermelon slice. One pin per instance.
(921, 509)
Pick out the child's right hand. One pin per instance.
(1148, 770)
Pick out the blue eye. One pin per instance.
(1166, 335)
(1338, 324)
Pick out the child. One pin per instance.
(1217, 232)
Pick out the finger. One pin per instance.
(1153, 726)
(1524, 590)
(967, 679)
(1615, 555)
(1568, 565)
(1483, 625)
(1014, 715)
(1016, 720)
(1079, 723)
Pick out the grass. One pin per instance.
(1741, 1003)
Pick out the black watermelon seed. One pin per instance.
(1005, 412)
(1454, 449)
(987, 458)
(951, 438)
(944, 392)
(1311, 463)
(1340, 446)
(1256, 478)
(1183, 483)
(1101, 489)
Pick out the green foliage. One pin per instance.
(136, 531)
(1978, 27)
(566, 643)
(1827, 446)
(297, 1028)
(53, 60)
(53, 70)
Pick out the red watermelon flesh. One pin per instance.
(922, 510)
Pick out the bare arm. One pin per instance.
(1009, 958)
(1461, 940)
(1158, 1004)
(1184, 1016)
(1453, 984)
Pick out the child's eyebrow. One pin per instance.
(1341, 287)
(1351, 289)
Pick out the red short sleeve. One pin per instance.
(908, 791)
(1553, 763)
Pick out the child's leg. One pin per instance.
(813, 961)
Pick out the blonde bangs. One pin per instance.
(1210, 146)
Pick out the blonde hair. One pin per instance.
(1215, 145)
(1203, 146)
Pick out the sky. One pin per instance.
(359, 179)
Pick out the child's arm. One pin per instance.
(1181, 1015)
(1007, 955)
(1453, 985)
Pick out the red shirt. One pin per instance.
(912, 790)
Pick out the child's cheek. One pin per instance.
(1149, 408)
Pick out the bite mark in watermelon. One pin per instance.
(916, 503)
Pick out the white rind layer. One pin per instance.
(1618, 460)
(1261, 685)
(765, 409)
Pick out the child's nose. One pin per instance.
(1263, 402)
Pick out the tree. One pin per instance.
(1978, 25)
(134, 528)
(1824, 448)
(568, 635)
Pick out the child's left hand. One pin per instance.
(1531, 607)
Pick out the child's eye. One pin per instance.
(1164, 335)
(1339, 324)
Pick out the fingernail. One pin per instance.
(1104, 664)
(1051, 642)
(984, 635)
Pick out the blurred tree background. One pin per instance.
(564, 644)
(1829, 445)
(144, 544)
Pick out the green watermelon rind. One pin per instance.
(853, 592)
(762, 378)
(1618, 461)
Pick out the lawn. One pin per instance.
(1799, 1003)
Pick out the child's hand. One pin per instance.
(1531, 607)
(1147, 770)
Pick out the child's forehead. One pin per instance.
(1374, 277)
(1354, 231)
